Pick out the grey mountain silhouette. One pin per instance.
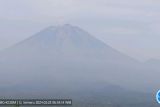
(66, 60)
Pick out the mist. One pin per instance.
(129, 26)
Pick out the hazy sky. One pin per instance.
(131, 26)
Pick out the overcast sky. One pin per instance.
(131, 26)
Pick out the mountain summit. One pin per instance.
(64, 35)
(70, 43)
(60, 36)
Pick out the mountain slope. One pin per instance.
(68, 58)
(68, 41)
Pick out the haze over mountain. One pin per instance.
(153, 63)
(68, 41)
(121, 24)
(62, 60)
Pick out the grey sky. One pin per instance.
(131, 26)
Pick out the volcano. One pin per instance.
(65, 61)
(67, 41)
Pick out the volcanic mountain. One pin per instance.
(62, 60)
(67, 42)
